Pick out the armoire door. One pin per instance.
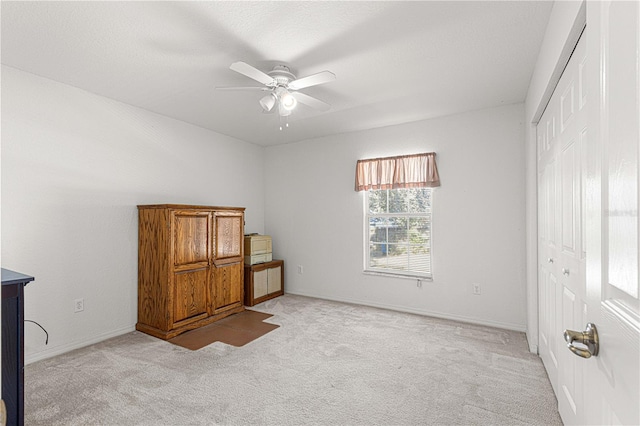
(190, 239)
(228, 286)
(228, 234)
(189, 288)
(190, 298)
(228, 271)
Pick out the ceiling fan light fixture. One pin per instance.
(268, 102)
(280, 82)
(287, 101)
(282, 111)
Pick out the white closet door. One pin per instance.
(561, 284)
(588, 181)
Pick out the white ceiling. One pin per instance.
(395, 62)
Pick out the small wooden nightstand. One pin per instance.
(263, 281)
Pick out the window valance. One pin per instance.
(404, 171)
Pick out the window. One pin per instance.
(398, 231)
(397, 215)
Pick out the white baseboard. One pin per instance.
(59, 350)
(533, 346)
(461, 318)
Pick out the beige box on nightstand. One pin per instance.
(257, 249)
(258, 258)
(257, 244)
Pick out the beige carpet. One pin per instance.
(237, 330)
(327, 364)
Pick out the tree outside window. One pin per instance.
(399, 231)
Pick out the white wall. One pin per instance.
(74, 167)
(316, 218)
(564, 27)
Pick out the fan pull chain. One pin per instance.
(286, 122)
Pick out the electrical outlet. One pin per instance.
(300, 269)
(476, 289)
(78, 305)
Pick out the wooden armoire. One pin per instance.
(190, 266)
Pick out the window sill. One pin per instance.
(401, 276)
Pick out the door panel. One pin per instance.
(228, 285)
(191, 238)
(543, 305)
(567, 101)
(583, 193)
(571, 262)
(612, 212)
(551, 206)
(228, 237)
(547, 247)
(553, 338)
(275, 279)
(569, 388)
(260, 283)
(190, 300)
(561, 254)
(568, 197)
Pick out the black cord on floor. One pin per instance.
(45, 331)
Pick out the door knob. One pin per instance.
(565, 271)
(588, 337)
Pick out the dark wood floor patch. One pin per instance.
(236, 330)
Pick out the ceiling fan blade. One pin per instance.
(251, 72)
(311, 101)
(242, 88)
(312, 80)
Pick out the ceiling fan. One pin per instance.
(283, 87)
